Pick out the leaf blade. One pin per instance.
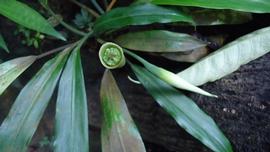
(10, 70)
(186, 113)
(159, 41)
(119, 132)
(71, 115)
(22, 121)
(137, 15)
(262, 6)
(28, 17)
(229, 58)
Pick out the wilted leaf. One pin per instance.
(22, 121)
(26, 16)
(255, 6)
(186, 113)
(229, 58)
(10, 70)
(137, 15)
(119, 133)
(169, 77)
(3, 44)
(159, 41)
(71, 109)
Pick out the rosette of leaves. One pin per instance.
(119, 132)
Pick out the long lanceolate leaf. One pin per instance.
(184, 110)
(255, 6)
(229, 58)
(138, 15)
(71, 109)
(169, 77)
(19, 126)
(3, 44)
(159, 41)
(119, 133)
(10, 70)
(26, 16)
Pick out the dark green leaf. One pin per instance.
(138, 15)
(22, 121)
(26, 16)
(228, 58)
(184, 111)
(119, 133)
(3, 44)
(71, 113)
(255, 6)
(10, 70)
(159, 41)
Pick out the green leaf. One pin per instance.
(3, 44)
(137, 15)
(10, 70)
(255, 6)
(26, 16)
(229, 58)
(119, 133)
(169, 77)
(22, 121)
(159, 41)
(186, 113)
(71, 109)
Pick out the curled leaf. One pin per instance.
(228, 58)
(119, 133)
(169, 77)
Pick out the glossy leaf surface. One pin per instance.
(229, 58)
(26, 16)
(10, 70)
(71, 109)
(169, 77)
(22, 121)
(137, 15)
(186, 113)
(3, 44)
(255, 6)
(119, 133)
(159, 41)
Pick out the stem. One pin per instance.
(91, 11)
(94, 2)
(111, 5)
(67, 26)
(56, 50)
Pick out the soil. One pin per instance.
(241, 111)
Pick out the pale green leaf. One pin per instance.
(71, 109)
(159, 41)
(3, 44)
(169, 77)
(27, 17)
(186, 113)
(119, 133)
(229, 58)
(22, 121)
(10, 70)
